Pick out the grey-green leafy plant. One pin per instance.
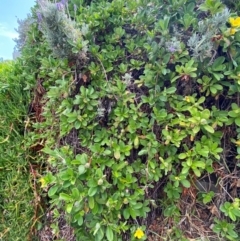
(60, 31)
(200, 43)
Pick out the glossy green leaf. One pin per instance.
(52, 191)
(81, 169)
(185, 183)
(109, 234)
(65, 197)
(91, 202)
(92, 191)
(208, 128)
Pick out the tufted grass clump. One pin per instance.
(16, 192)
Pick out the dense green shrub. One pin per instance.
(142, 101)
(150, 105)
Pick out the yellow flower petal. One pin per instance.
(233, 31)
(187, 98)
(235, 22)
(43, 182)
(231, 20)
(237, 142)
(139, 233)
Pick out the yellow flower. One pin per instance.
(43, 182)
(233, 31)
(235, 22)
(139, 233)
(231, 21)
(187, 98)
(237, 142)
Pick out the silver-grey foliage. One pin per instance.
(59, 30)
(22, 30)
(200, 42)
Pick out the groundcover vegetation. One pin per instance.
(122, 122)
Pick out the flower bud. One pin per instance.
(100, 182)
(87, 165)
